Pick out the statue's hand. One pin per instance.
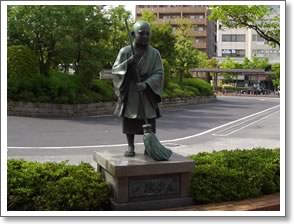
(141, 86)
(133, 59)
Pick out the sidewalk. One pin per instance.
(263, 203)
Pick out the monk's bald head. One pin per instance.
(141, 33)
(141, 25)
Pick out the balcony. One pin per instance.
(200, 45)
(193, 9)
(140, 10)
(199, 21)
(174, 9)
(198, 33)
(171, 21)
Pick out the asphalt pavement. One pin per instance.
(230, 123)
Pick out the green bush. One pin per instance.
(176, 90)
(58, 88)
(235, 175)
(104, 88)
(21, 62)
(35, 186)
(204, 87)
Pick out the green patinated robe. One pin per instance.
(129, 105)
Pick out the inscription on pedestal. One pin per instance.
(155, 187)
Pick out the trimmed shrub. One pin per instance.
(58, 88)
(104, 88)
(204, 87)
(235, 175)
(176, 90)
(21, 62)
(35, 186)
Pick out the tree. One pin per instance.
(186, 55)
(204, 62)
(61, 35)
(229, 64)
(256, 63)
(35, 27)
(255, 17)
(119, 34)
(276, 78)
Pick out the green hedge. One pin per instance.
(58, 88)
(217, 177)
(235, 175)
(204, 87)
(35, 186)
(69, 89)
(188, 88)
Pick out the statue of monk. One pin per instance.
(147, 60)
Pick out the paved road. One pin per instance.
(229, 123)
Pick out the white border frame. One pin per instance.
(4, 211)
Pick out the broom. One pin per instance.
(153, 148)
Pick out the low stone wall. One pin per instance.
(93, 109)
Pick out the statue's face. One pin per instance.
(142, 33)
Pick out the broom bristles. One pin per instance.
(155, 149)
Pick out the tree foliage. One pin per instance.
(255, 17)
(186, 54)
(60, 34)
(119, 34)
(21, 62)
(256, 63)
(162, 37)
(276, 78)
(228, 63)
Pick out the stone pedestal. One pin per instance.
(140, 183)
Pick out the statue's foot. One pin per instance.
(130, 153)
(145, 152)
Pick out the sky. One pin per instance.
(131, 8)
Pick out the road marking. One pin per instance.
(245, 125)
(121, 145)
(238, 124)
(221, 126)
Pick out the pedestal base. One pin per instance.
(140, 183)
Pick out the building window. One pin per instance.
(259, 53)
(233, 53)
(198, 28)
(169, 16)
(193, 16)
(233, 37)
(257, 38)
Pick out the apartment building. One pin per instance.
(243, 42)
(203, 31)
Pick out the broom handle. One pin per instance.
(137, 72)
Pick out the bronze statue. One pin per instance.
(147, 62)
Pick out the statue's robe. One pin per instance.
(129, 104)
